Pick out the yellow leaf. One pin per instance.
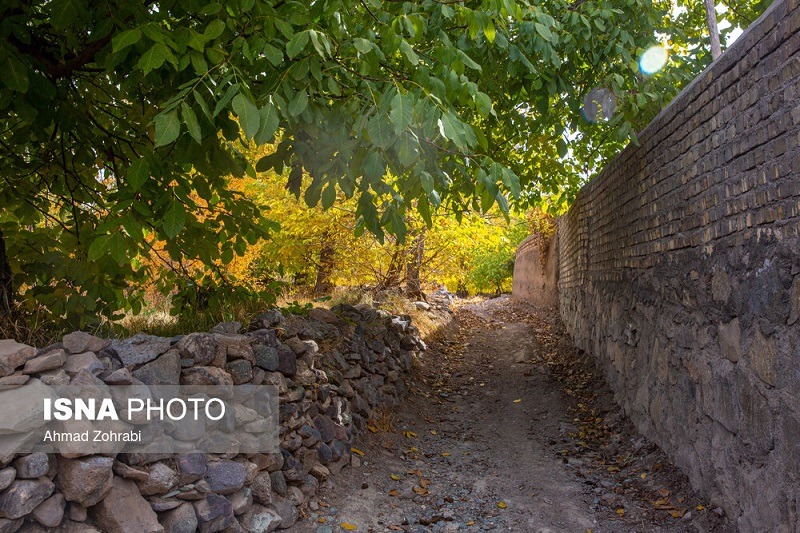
(519, 400)
(678, 514)
(357, 451)
(394, 492)
(322, 520)
(502, 505)
(372, 429)
(395, 477)
(643, 475)
(419, 490)
(348, 526)
(413, 449)
(700, 507)
(445, 454)
(471, 523)
(621, 512)
(433, 432)
(409, 434)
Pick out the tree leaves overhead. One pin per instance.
(123, 118)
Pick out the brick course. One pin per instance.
(678, 269)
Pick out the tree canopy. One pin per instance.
(122, 121)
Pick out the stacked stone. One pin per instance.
(332, 369)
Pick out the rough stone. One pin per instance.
(241, 371)
(7, 476)
(86, 480)
(80, 341)
(182, 519)
(266, 357)
(14, 355)
(124, 510)
(762, 355)
(43, 363)
(202, 347)
(160, 480)
(83, 361)
(205, 375)
(259, 519)
(191, 467)
(286, 510)
(140, 348)
(287, 360)
(226, 477)
(262, 488)
(166, 370)
(730, 340)
(14, 381)
(326, 427)
(23, 496)
(10, 526)
(214, 513)
(32, 466)
(241, 501)
(22, 407)
(50, 512)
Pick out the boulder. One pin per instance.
(124, 510)
(50, 512)
(14, 381)
(202, 347)
(7, 476)
(139, 349)
(262, 488)
(205, 375)
(182, 519)
(83, 361)
(191, 467)
(259, 519)
(22, 407)
(43, 363)
(160, 480)
(32, 466)
(266, 357)
(23, 496)
(214, 513)
(166, 370)
(80, 341)
(226, 477)
(13, 355)
(86, 480)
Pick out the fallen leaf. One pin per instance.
(395, 477)
(518, 400)
(621, 512)
(357, 451)
(663, 492)
(678, 513)
(471, 523)
(700, 507)
(424, 482)
(445, 454)
(502, 505)
(394, 492)
(372, 429)
(321, 520)
(433, 432)
(419, 490)
(348, 526)
(324, 504)
(643, 475)
(409, 434)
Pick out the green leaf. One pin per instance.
(153, 58)
(269, 124)
(63, 13)
(426, 180)
(297, 44)
(363, 45)
(125, 39)
(138, 173)
(273, 55)
(249, 117)
(543, 30)
(99, 247)
(168, 127)
(227, 97)
(483, 103)
(489, 31)
(409, 52)
(214, 29)
(118, 248)
(380, 131)
(298, 103)
(174, 219)
(328, 196)
(190, 119)
(15, 74)
(402, 112)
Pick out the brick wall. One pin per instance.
(679, 270)
(535, 272)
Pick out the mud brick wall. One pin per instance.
(535, 272)
(679, 271)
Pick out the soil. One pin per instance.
(508, 427)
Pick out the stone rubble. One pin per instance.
(333, 368)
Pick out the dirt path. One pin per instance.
(507, 430)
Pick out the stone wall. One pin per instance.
(332, 369)
(679, 271)
(535, 272)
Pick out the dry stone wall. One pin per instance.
(332, 370)
(679, 270)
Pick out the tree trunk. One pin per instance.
(713, 30)
(417, 252)
(327, 257)
(6, 288)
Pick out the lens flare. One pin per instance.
(599, 104)
(653, 60)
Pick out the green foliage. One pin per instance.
(120, 120)
(492, 268)
(296, 308)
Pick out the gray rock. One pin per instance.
(226, 477)
(261, 486)
(160, 480)
(23, 496)
(23, 409)
(32, 466)
(7, 476)
(205, 375)
(13, 355)
(214, 513)
(80, 341)
(166, 370)
(326, 427)
(287, 511)
(267, 319)
(50, 512)
(278, 481)
(122, 376)
(265, 337)
(202, 347)
(297, 346)
(191, 467)
(287, 360)
(259, 519)
(241, 501)
(86, 480)
(182, 519)
(43, 363)
(266, 357)
(241, 371)
(139, 349)
(83, 361)
(230, 328)
(124, 510)
(14, 381)
(10, 526)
